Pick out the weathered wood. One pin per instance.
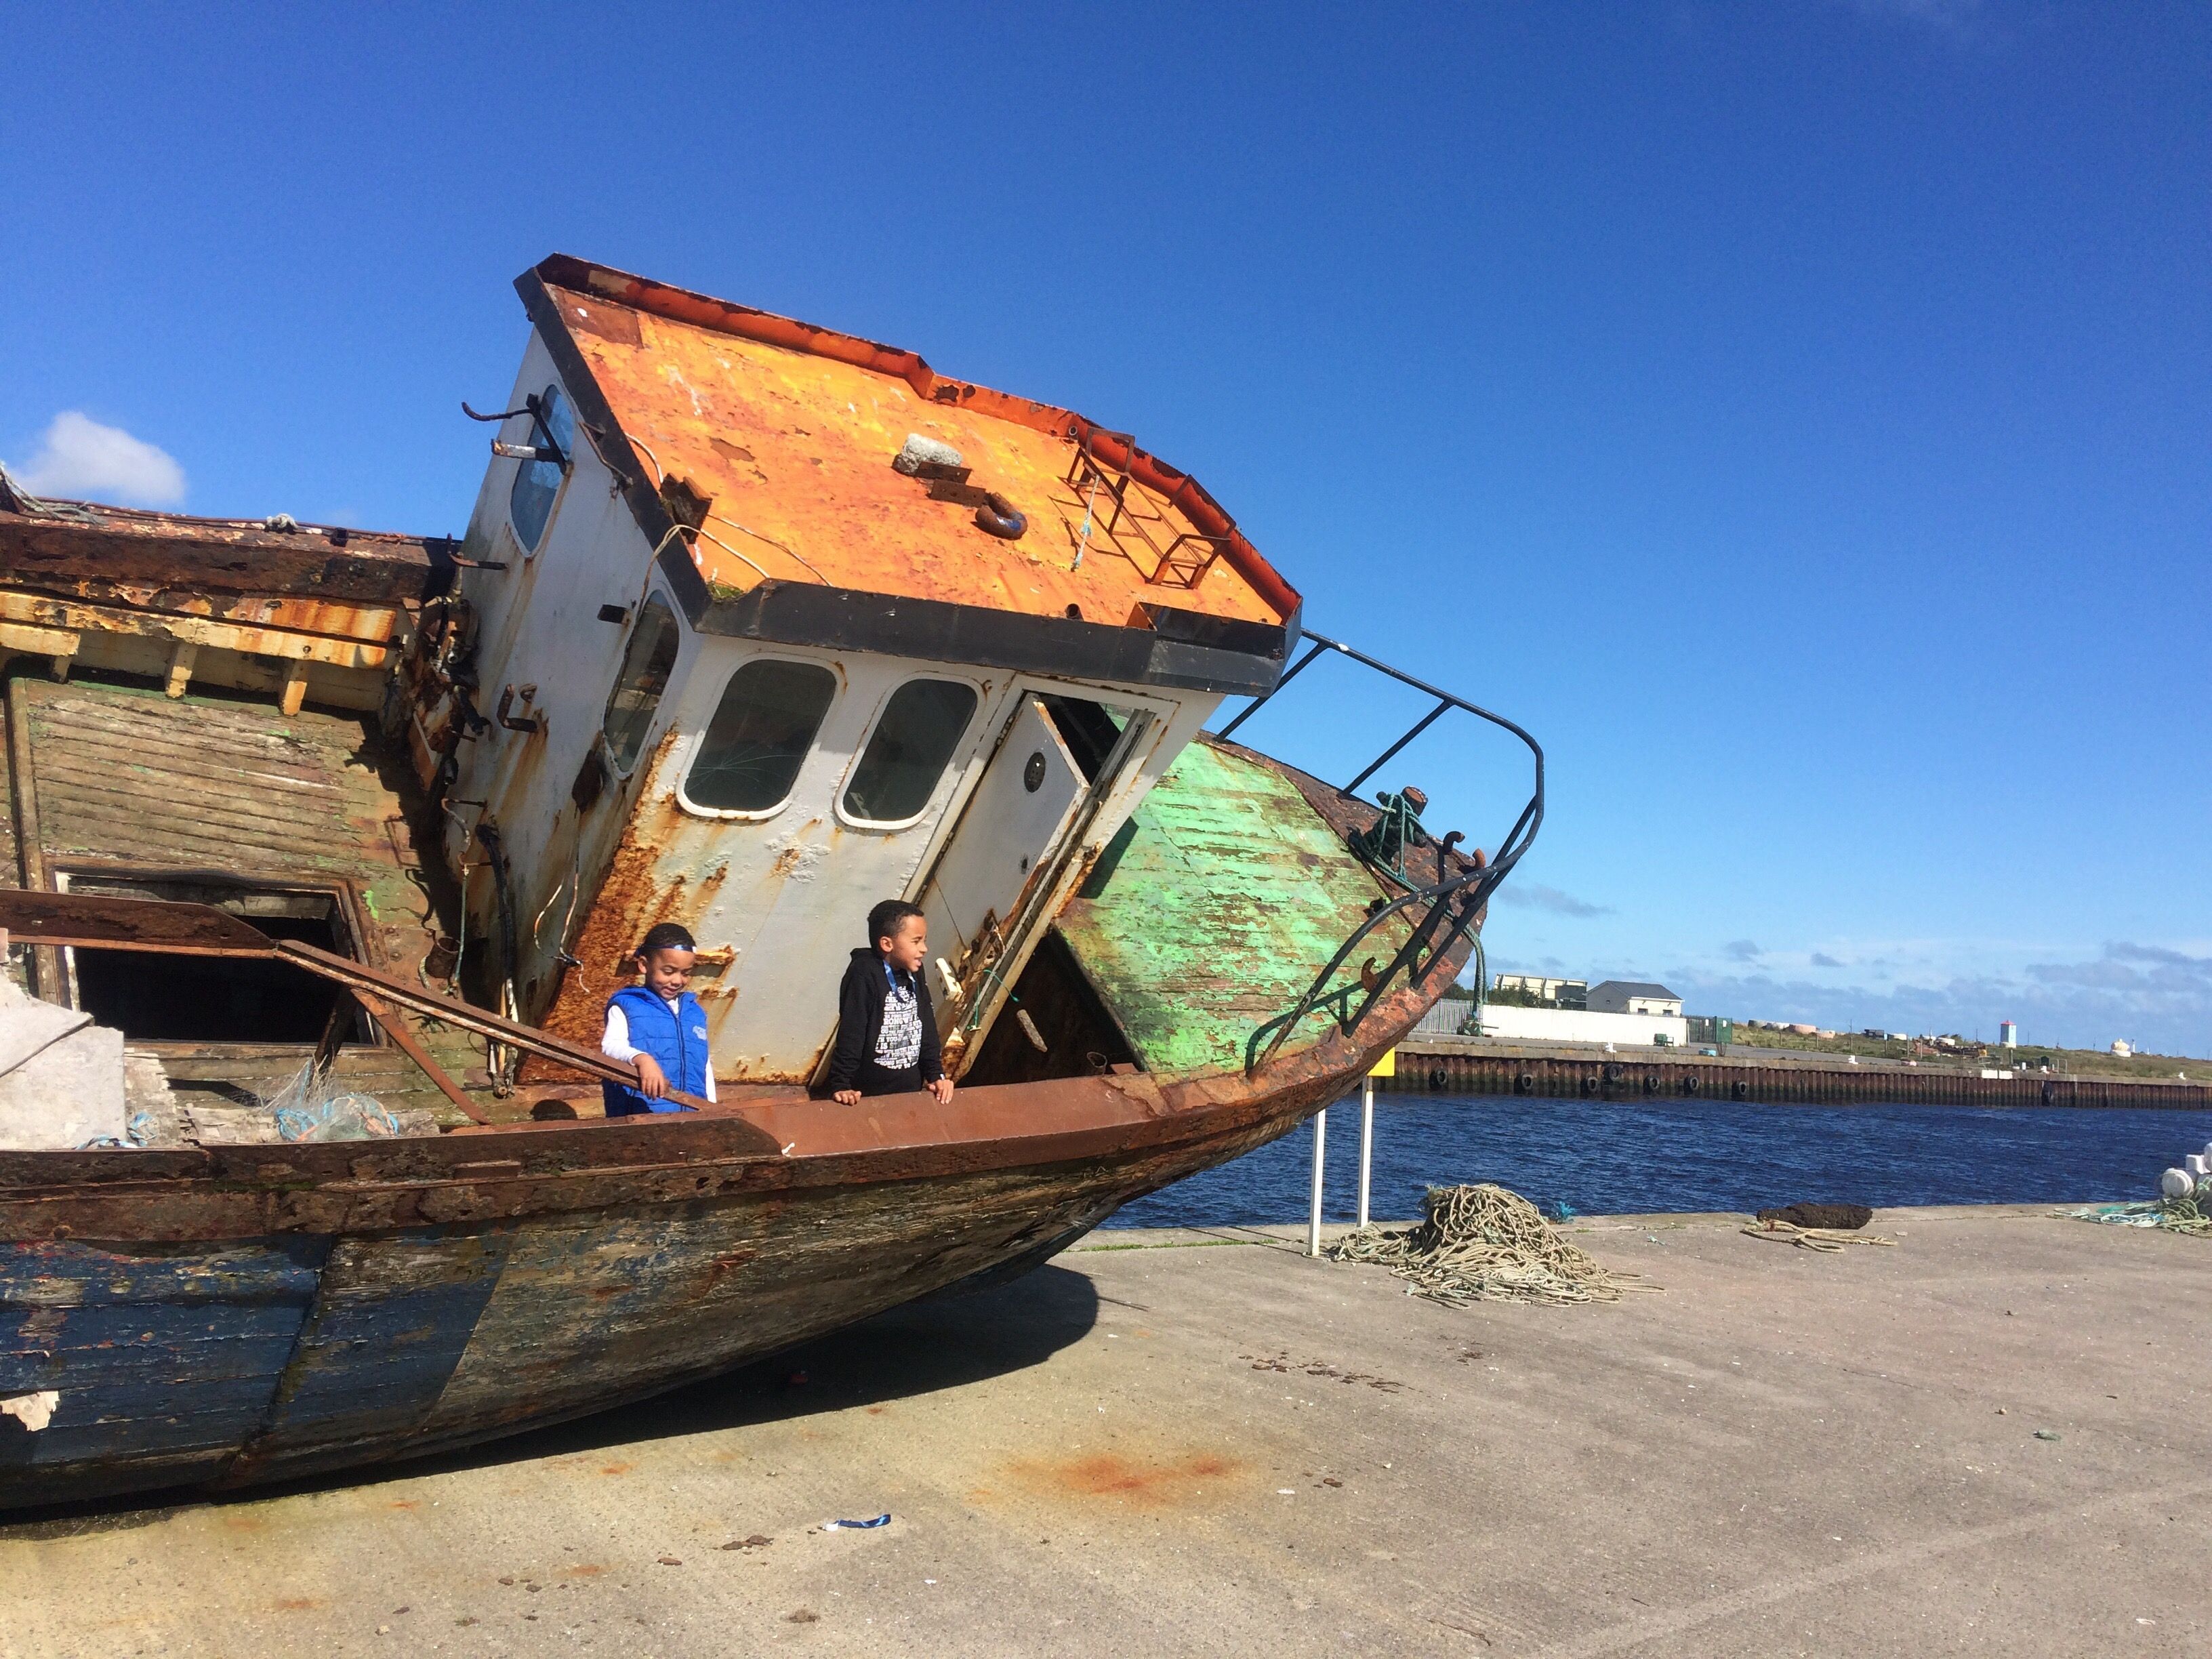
(164, 551)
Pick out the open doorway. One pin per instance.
(195, 998)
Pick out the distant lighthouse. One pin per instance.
(2007, 1035)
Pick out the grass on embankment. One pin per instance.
(2079, 1062)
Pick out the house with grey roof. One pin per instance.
(1633, 996)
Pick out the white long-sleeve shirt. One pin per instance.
(615, 1044)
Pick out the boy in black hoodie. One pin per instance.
(886, 1029)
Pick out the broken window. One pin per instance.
(648, 662)
(912, 743)
(760, 734)
(530, 502)
(179, 998)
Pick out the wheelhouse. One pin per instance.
(757, 623)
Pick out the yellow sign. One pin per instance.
(1385, 1067)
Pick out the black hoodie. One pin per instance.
(860, 1022)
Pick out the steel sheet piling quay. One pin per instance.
(1443, 1065)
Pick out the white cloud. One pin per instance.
(2156, 996)
(78, 456)
(1539, 897)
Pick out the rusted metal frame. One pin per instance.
(44, 914)
(359, 976)
(399, 1024)
(1434, 897)
(1044, 881)
(1483, 882)
(1443, 707)
(1260, 701)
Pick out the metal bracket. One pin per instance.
(518, 722)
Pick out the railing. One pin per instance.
(1447, 909)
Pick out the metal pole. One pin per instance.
(1366, 1141)
(1321, 1161)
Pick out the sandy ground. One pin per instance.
(1210, 1445)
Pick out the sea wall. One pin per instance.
(1481, 1067)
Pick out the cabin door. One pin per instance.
(1015, 818)
(985, 900)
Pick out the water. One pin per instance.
(1624, 1155)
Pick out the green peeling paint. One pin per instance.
(1212, 911)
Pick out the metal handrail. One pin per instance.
(1459, 899)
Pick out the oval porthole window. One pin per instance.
(908, 750)
(1033, 773)
(760, 735)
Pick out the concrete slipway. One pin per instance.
(1177, 1443)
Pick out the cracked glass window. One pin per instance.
(647, 661)
(759, 735)
(912, 745)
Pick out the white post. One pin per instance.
(1366, 1141)
(1320, 1161)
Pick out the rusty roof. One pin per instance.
(775, 439)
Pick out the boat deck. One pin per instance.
(110, 781)
(1232, 1449)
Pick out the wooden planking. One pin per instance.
(394, 1314)
(125, 778)
(1213, 909)
(130, 777)
(166, 1360)
(595, 1308)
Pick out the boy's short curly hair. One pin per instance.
(887, 918)
(666, 936)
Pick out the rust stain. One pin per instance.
(403, 1503)
(786, 432)
(299, 1603)
(616, 1467)
(582, 1570)
(1176, 1481)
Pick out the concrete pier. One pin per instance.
(1986, 1440)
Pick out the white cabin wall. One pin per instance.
(537, 622)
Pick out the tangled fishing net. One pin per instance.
(2191, 1214)
(1484, 1243)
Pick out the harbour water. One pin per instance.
(1618, 1156)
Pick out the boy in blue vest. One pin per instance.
(658, 1030)
(886, 1030)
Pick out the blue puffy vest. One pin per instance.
(676, 1037)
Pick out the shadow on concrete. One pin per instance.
(944, 1341)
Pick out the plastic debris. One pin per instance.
(883, 1520)
(2048, 1434)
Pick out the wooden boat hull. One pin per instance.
(220, 1317)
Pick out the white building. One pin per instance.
(1631, 996)
(2007, 1035)
(1510, 1024)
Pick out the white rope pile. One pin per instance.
(1484, 1243)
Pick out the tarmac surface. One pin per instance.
(1984, 1440)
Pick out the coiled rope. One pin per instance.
(1486, 1243)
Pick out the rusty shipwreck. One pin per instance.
(753, 624)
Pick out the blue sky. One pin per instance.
(1797, 414)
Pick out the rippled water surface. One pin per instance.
(1597, 1156)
